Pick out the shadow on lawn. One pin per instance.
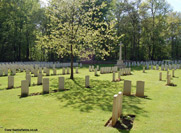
(99, 95)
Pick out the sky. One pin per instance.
(175, 4)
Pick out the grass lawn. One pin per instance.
(86, 110)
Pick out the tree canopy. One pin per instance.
(149, 30)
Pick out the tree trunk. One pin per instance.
(149, 51)
(138, 53)
(2, 51)
(27, 48)
(134, 47)
(125, 52)
(153, 32)
(132, 50)
(19, 46)
(72, 60)
(153, 52)
(15, 42)
(172, 48)
(177, 44)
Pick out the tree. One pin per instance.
(144, 24)
(18, 26)
(75, 29)
(157, 11)
(174, 33)
(128, 23)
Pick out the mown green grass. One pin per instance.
(83, 109)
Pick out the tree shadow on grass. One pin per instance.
(98, 96)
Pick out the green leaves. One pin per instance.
(75, 23)
(19, 24)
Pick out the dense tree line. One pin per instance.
(147, 26)
(19, 23)
(149, 30)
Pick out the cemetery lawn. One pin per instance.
(86, 110)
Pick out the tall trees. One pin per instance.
(174, 34)
(145, 26)
(148, 29)
(18, 22)
(157, 12)
(128, 23)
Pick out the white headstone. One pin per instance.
(10, 82)
(46, 85)
(24, 88)
(61, 83)
(87, 81)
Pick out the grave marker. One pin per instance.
(67, 70)
(28, 78)
(77, 70)
(10, 82)
(39, 80)
(113, 78)
(90, 69)
(140, 85)
(1, 72)
(47, 72)
(115, 110)
(143, 69)
(35, 72)
(173, 73)
(46, 85)
(24, 88)
(87, 81)
(61, 83)
(6, 72)
(160, 78)
(95, 72)
(127, 87)
(119, 75)
(168, 79)
(54, 71)
(120, 98)
(63, 71)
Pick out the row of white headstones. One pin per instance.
(38, 64)
(31, 66)
(41, 81)
(127, 71)
(58, 64)
(37, 73)
(104, 70)
(168, 76)
(4, 71)
(45, 85)
(164, 67)
(139, 63)
(126, 89)
(13, 67)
